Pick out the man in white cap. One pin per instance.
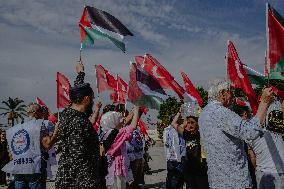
(223, 133)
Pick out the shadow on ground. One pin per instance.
(158, 185)
(156, 171)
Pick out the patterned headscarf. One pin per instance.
(110, 120)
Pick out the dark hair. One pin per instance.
(240, 109)
(193, 117)
(120, 108)
(108, 108)
(78, 92)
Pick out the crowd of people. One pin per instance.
(219, 147)
(223, 146)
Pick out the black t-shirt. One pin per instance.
(193, 161)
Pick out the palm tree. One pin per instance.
(14, 110)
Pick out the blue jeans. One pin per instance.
(33, 181)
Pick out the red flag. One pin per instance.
(166, 80)
(96, 125)
(275, 43)
(63, 88)
(238, 76)
(278, 92)
(190, 89)
(119, 94)
(51, 116)
(143, 127)
(105, 81)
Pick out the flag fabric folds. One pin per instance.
(165, 79)
(275, 43)
(254, 76)
(98, 24)
(144, 89)
(190, 89)
(51, 116)
(120, 93)
(238, 76)
(105, 81)
(63, 88)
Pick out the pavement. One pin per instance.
(156, 179)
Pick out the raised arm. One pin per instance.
(136, 116)
(175, 124)
(266, 99)
(81, 74)
(95, 116)
(233, 124)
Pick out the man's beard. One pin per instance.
(89, 109)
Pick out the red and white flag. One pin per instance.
(238, 76)
(63, 88)
(120, 93)
(105, 81)
(143, 127)
(190, 89)
(51, 117)
(166, 80)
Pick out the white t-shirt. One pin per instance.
(175, 146)
(269, 151)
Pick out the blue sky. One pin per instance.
(39, 38)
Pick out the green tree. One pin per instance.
(204, 95)
(168, 108)
(14, 109)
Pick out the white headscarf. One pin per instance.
(110, 120)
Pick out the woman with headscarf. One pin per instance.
(119, 171)
(194, 164)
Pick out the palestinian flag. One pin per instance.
(144, 89)
(275, 43)
(97, 24)
(254, 76)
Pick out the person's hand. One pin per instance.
(98, 105)
(102, 150)
(79, 67)
(267, 95)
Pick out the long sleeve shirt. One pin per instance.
(223, 133)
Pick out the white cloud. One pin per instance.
(40, 38)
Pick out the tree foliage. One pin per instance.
(13, 109)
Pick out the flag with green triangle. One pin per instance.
(96, 24)
(275, 43)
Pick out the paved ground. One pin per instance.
(158, 170)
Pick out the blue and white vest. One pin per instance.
(24, 144)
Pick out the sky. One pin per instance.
(39, 38)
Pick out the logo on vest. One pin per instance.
(20, 142)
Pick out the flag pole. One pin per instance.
(97, 84)
(267, 47)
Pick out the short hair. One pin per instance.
(33, 107)
(216, 87)
(78, 92)
(120, 108)
(108, 108)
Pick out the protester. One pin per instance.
(269, 152)
(4, 156)
(29, 141)
(223, 133)
(245, 113)
(175, 150)
(135, 149)
(80, 161)
(194, 164)
(49, 157)
(119, 170)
